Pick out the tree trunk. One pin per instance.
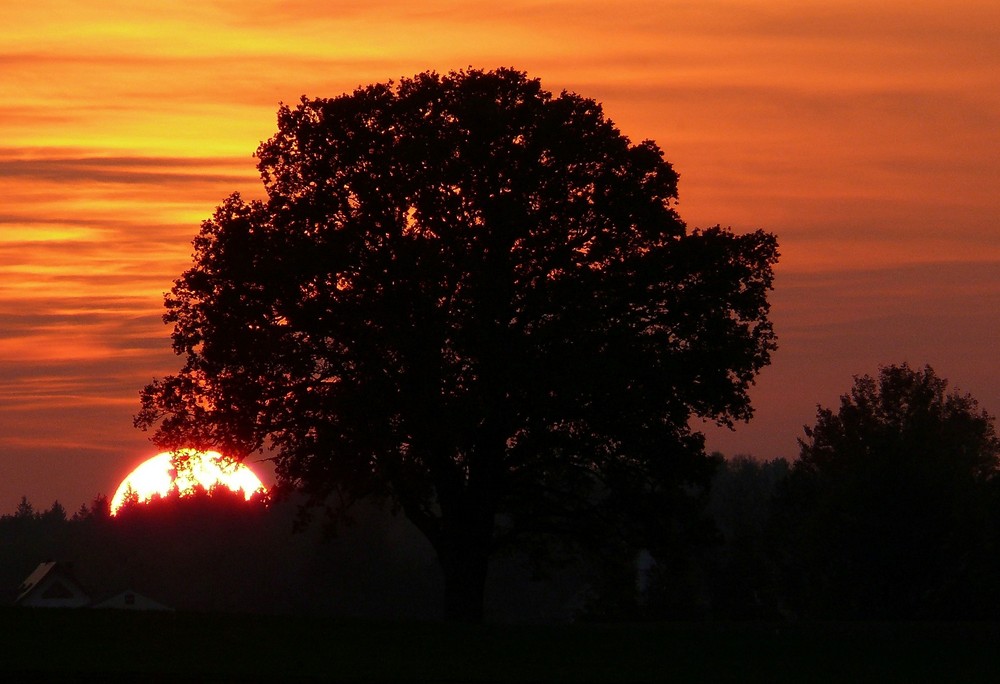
(465, 567)
(462, 532)
(465, 588)
(462, 537)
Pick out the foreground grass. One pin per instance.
(93, 645)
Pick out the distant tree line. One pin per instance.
(214, 551)
(892, 511)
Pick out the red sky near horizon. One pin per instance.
(865, 135)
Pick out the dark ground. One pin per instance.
(101, 645)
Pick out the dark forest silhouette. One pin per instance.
(892, 512)
(213, 551)
(475, 299)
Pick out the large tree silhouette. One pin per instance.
(469, 295)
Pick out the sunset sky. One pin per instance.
(865, 134)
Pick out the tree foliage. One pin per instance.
(472, 296)
(889, 509)
(903, 421)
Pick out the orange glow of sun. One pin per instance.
(160, 476)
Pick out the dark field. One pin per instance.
(93, 645)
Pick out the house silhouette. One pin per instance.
(52, 585)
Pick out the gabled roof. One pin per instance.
(52, 584)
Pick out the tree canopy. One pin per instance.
(904, 419)
(890, 504)
(472, 296)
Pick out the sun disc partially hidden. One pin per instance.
(158, 476)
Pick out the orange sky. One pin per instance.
(865, 135)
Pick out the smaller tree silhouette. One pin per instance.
(55, 514)
(888, 509)
(130, 499)
(100, 508)
(24, 510)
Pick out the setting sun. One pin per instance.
(160, 476)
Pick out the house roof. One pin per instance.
(46, 570)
